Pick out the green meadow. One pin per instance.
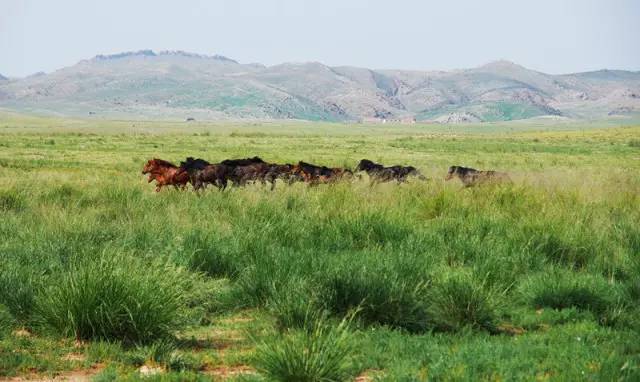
(101, 278)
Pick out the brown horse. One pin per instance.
(313, 174)
(281, 171)
(471, 177)
(165, 174)
(264, 172)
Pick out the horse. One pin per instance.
(379, 173)
(201, 173)
(193, 166)
(241, 175)
(216, 174)
(281, 171)
(471, 177)
(165, 173)
(313, 174)
(239, 171)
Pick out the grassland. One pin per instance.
(538, 280)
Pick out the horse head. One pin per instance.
(149, 166)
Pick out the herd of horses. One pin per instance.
(200, 173)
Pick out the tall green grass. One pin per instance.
(114, 299)
(318, 354)
(558, 289)
(7, 321)
(18, 287)
(460, 300)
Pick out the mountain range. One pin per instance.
(176, 84)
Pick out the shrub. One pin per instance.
(382, 296)
(319, 354)
(459, 300)
(559, 289)
(115, 299)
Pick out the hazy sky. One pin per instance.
(556, 36)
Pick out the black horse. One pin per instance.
(378, 173)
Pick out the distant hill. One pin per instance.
(3, 78)
(176, 84)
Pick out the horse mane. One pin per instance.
(305, 164)
(242, 162)
(463, 170)
(163, 162)
(367, 165)
(191, 163)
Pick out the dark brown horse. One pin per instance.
(471, 177)
(165, 174)
(243, 174)
(201, 173)
(313, 174)
(379, 173)
(283, 172)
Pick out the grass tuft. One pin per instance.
(381, 296)
(562, 289)
(6, 321)
(315, 355)
(115, 299)
(18, 287)
(12, 201)
(459, 300)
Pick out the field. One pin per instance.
(101, 277)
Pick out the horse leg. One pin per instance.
(197, 185)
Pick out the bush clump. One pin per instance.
(318, 354)
(460, 299)
(562, 289)
(381, 296)
(294, 305)
(115, 299)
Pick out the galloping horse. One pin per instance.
(165, 174)
(471, 177)
(379, 173)
(313, 174)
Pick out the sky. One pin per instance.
(553, 36)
